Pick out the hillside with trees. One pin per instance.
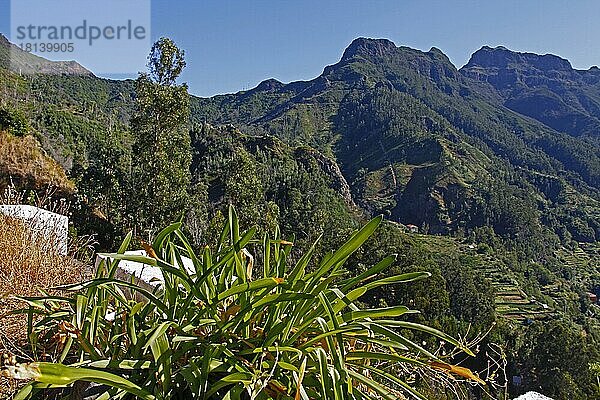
(485, 177)
(407, 127)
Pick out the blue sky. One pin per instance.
(233, 45)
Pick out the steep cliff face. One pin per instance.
(332, 169)
(368, 49)
(544, 87)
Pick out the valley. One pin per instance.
(488, 177)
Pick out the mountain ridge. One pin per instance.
(413, 104)
(503, 203)
(501, 56)
(22, 62)
(544, 87)
(412, 136)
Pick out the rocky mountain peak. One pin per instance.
(366, 47)
(269, 84)
(502, 58)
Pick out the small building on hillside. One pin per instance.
(54, 227)
(412, 228)
(593, 297)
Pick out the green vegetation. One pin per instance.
(161, 170)
(270, 182)
(420, 141)
(242, 323)
(505, 202)
(14, 121)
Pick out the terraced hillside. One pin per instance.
(521, 300)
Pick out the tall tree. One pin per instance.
(162, 150)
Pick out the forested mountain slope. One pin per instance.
(413, 137)
(497, 164)
(427, 144)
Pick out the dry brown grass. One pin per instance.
(23, 159)
(28, 263)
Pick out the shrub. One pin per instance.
(14, 121)
(30, 262)
(243, 323)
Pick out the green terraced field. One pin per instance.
(512, 301)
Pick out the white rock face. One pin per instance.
(42, 222)
(146, 273)
(532, 396)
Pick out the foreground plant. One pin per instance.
(231, 329)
